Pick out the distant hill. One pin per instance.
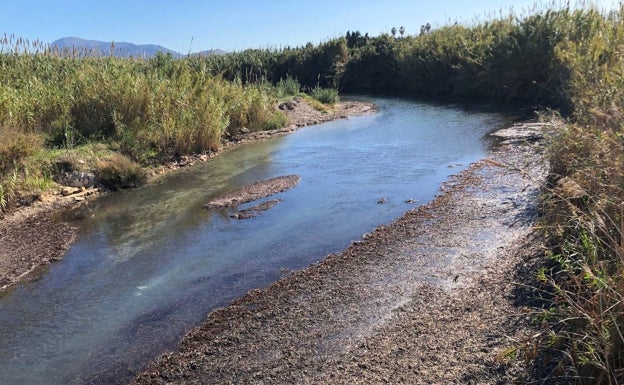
(120, 49)
(210, 52)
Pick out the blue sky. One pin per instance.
(189, 26)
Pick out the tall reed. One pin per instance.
(149, 110)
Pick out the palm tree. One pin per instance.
(394, 31)
(402, 31)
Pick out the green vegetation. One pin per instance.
(148, 110)
(57, 111)
(325, 95)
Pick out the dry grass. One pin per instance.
(120, 172)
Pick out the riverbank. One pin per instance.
(438, 296)
(36, 235)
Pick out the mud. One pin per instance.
(37, 235)
(256, 210)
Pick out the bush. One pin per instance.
(120, 172)
(278, 120)
(288, 87)
(16, 146)
(325, 95)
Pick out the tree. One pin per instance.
(356, 40)
(425, 29)
(393, 31)
(402, 31)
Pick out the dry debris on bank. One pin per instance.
(432, 298)
(301, 114)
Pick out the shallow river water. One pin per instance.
(150, 263)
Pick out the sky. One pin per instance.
(190, 26)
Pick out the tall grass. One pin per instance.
(325, 95)
(584, 212)
(148, 110)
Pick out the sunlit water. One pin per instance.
(150, 263)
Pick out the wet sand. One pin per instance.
(254, 191)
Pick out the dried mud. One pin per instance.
(438, 296)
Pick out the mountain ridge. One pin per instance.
(121, 49)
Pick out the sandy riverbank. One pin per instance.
(438, 296)
(36, 235)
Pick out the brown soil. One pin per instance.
(301, 113)
(39, 234)
(438, 296)
(35, 235)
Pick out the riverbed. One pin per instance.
(150, 263)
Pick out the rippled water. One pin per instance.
(150, 263)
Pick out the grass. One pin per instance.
(147, 110)
(278, 120)
(583, 207)
(288, 87)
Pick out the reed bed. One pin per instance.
(147, 110)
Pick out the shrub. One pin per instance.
(16, 146)
(120, 172)
(288, 87)
(325, 95)
(276, 121)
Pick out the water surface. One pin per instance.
(150, 263)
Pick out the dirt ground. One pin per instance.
(36, 235)
(39, 234)
(440, 296)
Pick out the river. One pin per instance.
(150, 263)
